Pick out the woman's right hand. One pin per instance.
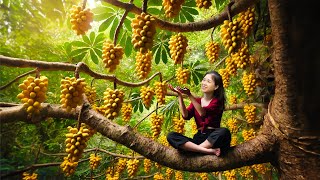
(174, 89)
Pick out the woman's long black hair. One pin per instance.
(218, 93)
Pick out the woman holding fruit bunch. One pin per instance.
(207, 112)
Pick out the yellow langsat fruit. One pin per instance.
(250, 113)
(143, 31)
(182, 75)
(121, 165)
(246, 19)
(158, 176)
(126, 111)
(146, 94)
(71, 92)
(246, 172)
(230, 175)
(163, 140)
(232, 123)
(143, 64)
(178, 124)
(91, 94)
(260, 168)
(81, 19)
(94, 161)
(249, 83)
(231, 66)
(225, 77)
(172, 7)
(156, 121)
(68, 167)
(147, 165)
(113, 100)
(234, 141)
(242, 57)
(161, 91)
(178, 47)
(231, 35)
(248, 134)
(132, 167)
(203, 3)
(169, 173)
(111, 55)
(33, 93)
(204, 176)
(178, 175)
(233, 99)
(27, 176)
(212, 51)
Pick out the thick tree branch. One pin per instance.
(236, 8)
(259, 148)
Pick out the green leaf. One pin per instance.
(98, 52)
(92, 37)
(128, 47)
(104, 26)
(67, 46)
(99, 39)
(190, 10)
(86, 39)
(153, 10)
(79, 44)
(195, 79)
(188, 16)
(164, 55)
(102, 10)
(79, 57)
(93, 56)
(78, 51)
(140, 106)
(157, 54)
(127, 24)
(113, 27)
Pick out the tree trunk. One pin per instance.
(294, 110)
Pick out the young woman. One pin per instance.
(207, 112)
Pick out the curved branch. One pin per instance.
(255, 151)
(54, 66)
(17, 78)
(236, 8)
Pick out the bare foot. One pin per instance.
(217, 151)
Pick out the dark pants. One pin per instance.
(218, 137)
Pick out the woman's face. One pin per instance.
(207, 84)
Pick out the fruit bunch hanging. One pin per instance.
(231, 174)
(203, 176)
(163, 140)
(68, 167)
(203, 4)
(121, 165)
(232, 99)
(178, 175)
(80, 19)
(71, 92)
(182, 75)
(146, 94)
(156, 124)
(33, 94)
(246, 172)
(169, 173)
(161, 91)
(249, 83)
(111, 55)
(158, 176)
(178, 124)
(250, 112)
(242, 57)
(232, 124)
(126, 111)
(231, 35)
(172, 7)
(231, 66)
(132, 167)
(111, 174)
(147, 165)
(27, 176)
(212, 51)
(260, 168)
(246, 20)
(143, 64)
(91, 93)
(94, 161)
(225, 77)
(178, 47)
(248, 134)
(113, 100)
(143, 31)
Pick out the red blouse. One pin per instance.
(212, 117)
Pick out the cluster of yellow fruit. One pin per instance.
(172, 7)
(232, 123)
(147, 165)
(169, 173)
(94, 161)
(178, 175)
(132, 167)
(203, 3)
(33, 93)
(111, 55)
(71, 92)
(158, 176)
(27, 176)
(231, 66)
(182, 75)
(157, 121)
(113, 100)
(233, 99)
(194, 128)
(250, 113)
(260, 168)
(246, 172)
(91, 94)
(178, 47)
(161, 91)
(242, 57)
(126, 111)
(249, 83)
(146, 94)
(157, 165)
(68, 167)
(225, 77)
(163, 140)
(143, 30)
(121, 165)
(231, 35)
(230, 175)
(178, 124)
(111, 174)
(234, 141)
(81, 19)
(248, 134)
(143, 64)
(204, 176)
(212, 51)
(246, 20)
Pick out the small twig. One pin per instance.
(84, 3)
(115, 38)
(229, 10)
(131, 100)
(76, 72)
(17, 78)
(79, 116)
(145, 6)
(220, 62)
(212, 33)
